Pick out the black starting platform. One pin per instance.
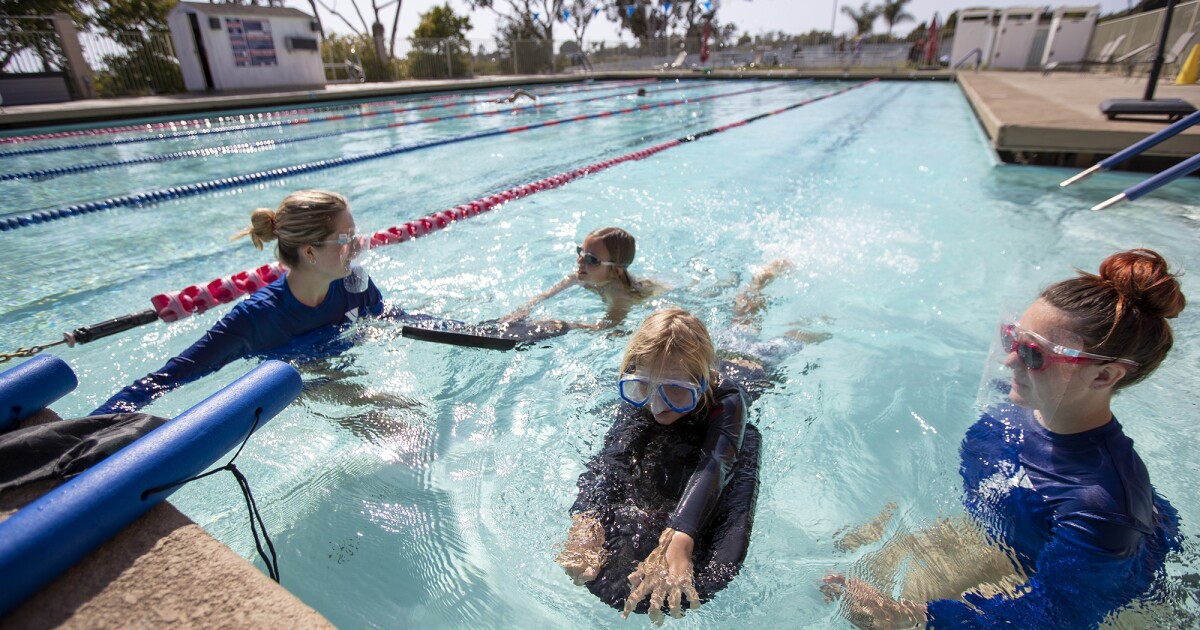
(1172, 108)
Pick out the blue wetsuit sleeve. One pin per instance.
(224, 343)
(1076, 584)
(722, 443)
(605, 482)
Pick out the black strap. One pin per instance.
(272, 562)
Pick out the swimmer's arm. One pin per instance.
(523, 311)
(1075, 584)
(727, 427)
(218, 347)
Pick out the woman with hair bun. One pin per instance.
(316, 241)
(1051, 479)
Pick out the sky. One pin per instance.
(751, 16)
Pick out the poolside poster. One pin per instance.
(251, 42)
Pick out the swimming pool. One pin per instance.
(439, 505)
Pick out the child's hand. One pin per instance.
(867, 607)
(583, 554)
(665, 575)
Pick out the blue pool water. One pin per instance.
(438, 502)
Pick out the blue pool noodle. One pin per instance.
(32, 386)
(51, 534)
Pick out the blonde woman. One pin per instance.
(316, 241)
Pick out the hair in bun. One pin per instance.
(304, 217)
(1123, 311)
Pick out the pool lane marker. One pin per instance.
(279, 124)
(198, 298)
(205, 124)
(268, 145)
(189, 190)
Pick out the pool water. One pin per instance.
(425, 485)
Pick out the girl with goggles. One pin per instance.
(1061, 497)
(662, 476)
(601, 266)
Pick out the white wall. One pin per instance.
(293, 69)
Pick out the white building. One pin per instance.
(228, 47)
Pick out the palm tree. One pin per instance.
(863, 18)
(893, 13)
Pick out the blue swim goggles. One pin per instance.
(680, 396)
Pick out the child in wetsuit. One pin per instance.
(664, 510)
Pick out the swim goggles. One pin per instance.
(1038, 356)
(591, 260)
(680, 396)
(349, 244)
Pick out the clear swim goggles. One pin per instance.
(680, 396)
(1038, 354)
(349, 245)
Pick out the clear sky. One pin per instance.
(752, 16)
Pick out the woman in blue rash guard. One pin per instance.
(319, 293)
(1051, 479)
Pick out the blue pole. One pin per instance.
(1133, 192)
(32, 386)
(53, 533)
(1175, 129)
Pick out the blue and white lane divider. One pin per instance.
(32, 386)
(267, 145)
(181, 126)
(204, 133)
(58, 530)
(189, 190)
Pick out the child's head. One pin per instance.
(613, 249)
(671, 345)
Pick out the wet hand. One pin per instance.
(665, 575)
(583, 554)
(867, 607)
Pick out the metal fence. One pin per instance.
(1141, 33)
(437, 59)
(132, 63)
(29, 45)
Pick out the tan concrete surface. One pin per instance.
(1060, 112)
(161, 571)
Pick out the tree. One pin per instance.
(440, 47)
(374, 30)
(864, 18)
(21, 30)
(529, 18)
(893, 13)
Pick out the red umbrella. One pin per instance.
(931, 41)
(704, 40)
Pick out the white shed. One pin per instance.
(1070, 34)
(1017, 31)
(976, 28)
(240, 47)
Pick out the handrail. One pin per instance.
(978, 52)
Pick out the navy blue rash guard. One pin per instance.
(271, 320)
(1078, 513)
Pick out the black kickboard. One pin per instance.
(458, 338)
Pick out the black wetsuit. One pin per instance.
(698, 475)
